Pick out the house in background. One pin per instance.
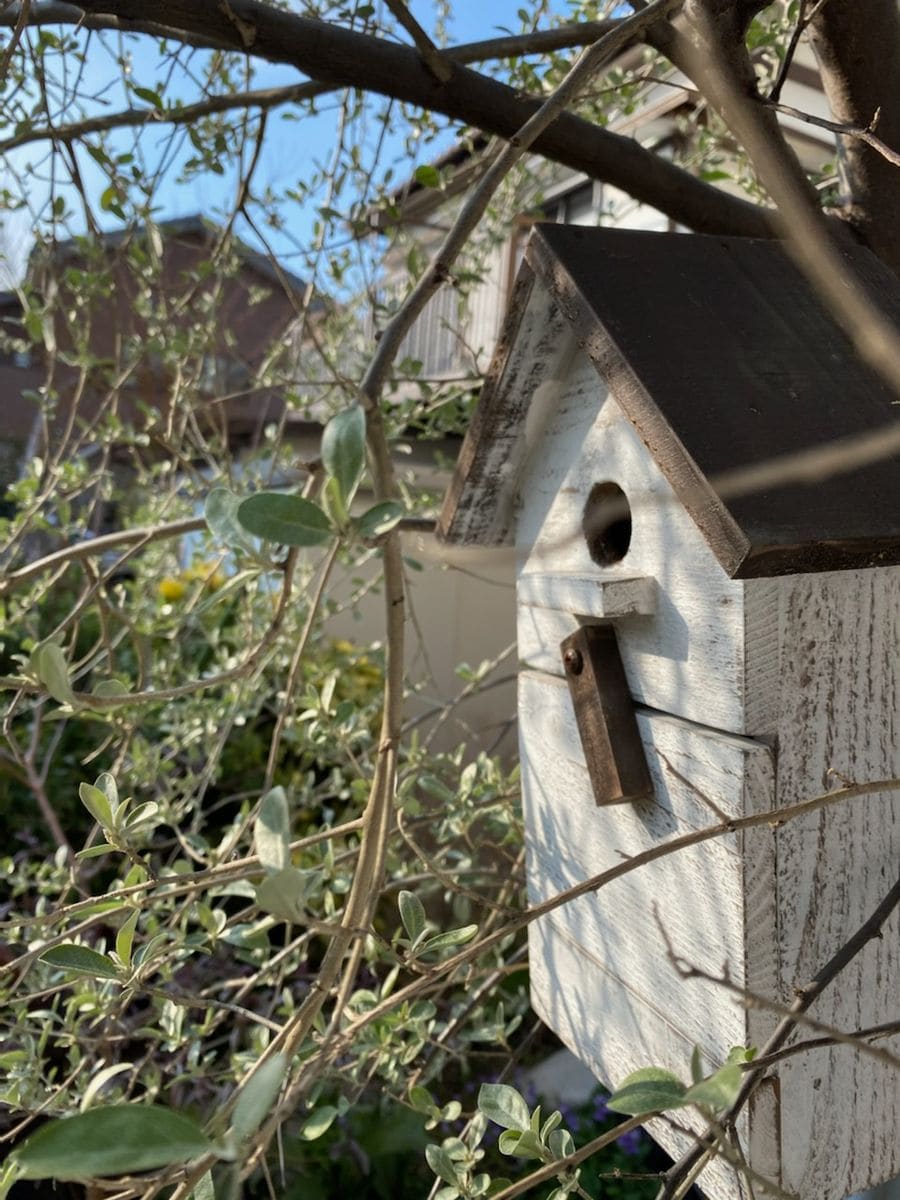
(112, 308)
(454, 338)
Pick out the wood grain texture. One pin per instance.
(687, 657)
(838, 706)
(724, 359)
(600, 973)
(587, 597)
(529, 364)
(697, 775)
(744, 366)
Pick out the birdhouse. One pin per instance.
(701, 480)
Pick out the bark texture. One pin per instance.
(858, 46)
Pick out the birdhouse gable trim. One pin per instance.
(724, 361)
(534, 345)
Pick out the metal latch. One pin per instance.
(604, 710)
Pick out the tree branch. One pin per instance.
(870, 928)
(858, 47)
(342, 58)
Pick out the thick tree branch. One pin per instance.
(858, 46)
(565, 37)
(341, 58)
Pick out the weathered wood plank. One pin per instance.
(587, 597)
(528, 365)
(687, 658)
(696, 894)
(839, 700)
(576, 998)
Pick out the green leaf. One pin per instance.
(441, 1163)
(95, 851)
(379, 519)
(204, 1188)
(719, 1090)
(100, 1080)
(428, 176)
(220, 511)
(344, 449)
(149, 96)
(421, 1099)
(271, 831)
(114, 1140)
(49, 664)
(107, 785)
(651, 1089)
(412, 914)
(561, 1143)
(451, 937)
(80, 960)
(503, 1105)
(109, 688)
(318, 1123)
(284, 893)
(257, 1097)
(288, 520)
(96, 803)
(522, 1145)
(125, 937)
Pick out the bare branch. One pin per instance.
(806, 994)
(430, 54)
(866, 134)
(342, 58)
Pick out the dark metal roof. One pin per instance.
(726, 362)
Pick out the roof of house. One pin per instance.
(781, 444)
(196, 228)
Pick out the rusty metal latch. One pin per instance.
(604, 710)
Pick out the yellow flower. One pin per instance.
(171, 588)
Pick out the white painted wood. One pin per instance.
(807, 663)
(687, 659)
(589, 599)
(601, 976)
(837, 701)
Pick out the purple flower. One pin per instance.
(630, 1142)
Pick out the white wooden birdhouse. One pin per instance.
(679, 441)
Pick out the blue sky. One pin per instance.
(291, 146)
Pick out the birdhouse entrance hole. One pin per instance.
(606, 524)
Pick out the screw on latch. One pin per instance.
(573, 660)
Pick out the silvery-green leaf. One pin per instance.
(719, 1090)
(115, 1140)
(287, 520)
(504, 1106)
(379, 519)
(97, 804)
(271, 831)
(441, 1163)
(412, 914)
(220, 511)
(100, 1080)
(284, 893)
(451, 937)
(652, 1089)
(257, 1097)
(107, 689)
(125, 937)
(49, 664)
(318, 1122)
(80, 960)
(344, 449)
